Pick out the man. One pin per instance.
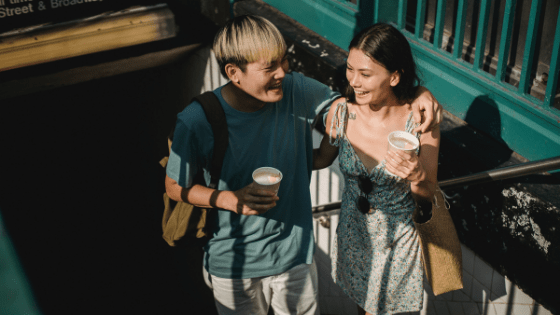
(261, 252)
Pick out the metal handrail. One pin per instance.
(482, 177)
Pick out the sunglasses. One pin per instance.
(366, 186)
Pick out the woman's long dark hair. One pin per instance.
(386, 45)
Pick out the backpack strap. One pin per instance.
(217, 118)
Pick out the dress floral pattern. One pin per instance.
(376, 257)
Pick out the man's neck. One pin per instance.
(240, 100)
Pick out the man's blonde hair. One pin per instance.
(245, 39)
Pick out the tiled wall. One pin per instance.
(485, 292)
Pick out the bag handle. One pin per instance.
(217, 118)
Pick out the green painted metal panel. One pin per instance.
(15, 293)
(365, 15)
(330, 19)
(388, 11)
(530, 46)
(531, 133)
(552, 83)
(440, 23)
(505, 40)
(524, 125)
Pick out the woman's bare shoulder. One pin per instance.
(339, 101)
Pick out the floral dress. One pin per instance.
(376, 257)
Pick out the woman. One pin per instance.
(377, 257)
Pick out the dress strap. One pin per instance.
(410, 125)
(339, 121)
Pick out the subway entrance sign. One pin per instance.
(18, 14)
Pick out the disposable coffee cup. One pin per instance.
(267, 178)
(402, 141)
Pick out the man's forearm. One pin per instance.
(205, 197)
(247, 201)
(199, 195)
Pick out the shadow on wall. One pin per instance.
(476, 209)
(483, 114)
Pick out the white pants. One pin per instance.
(292, 292)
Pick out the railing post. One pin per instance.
(440, 23)
(420, 19)
(460, 29)
(401, 17)
(375, 11)
(552, 83)
(505, 39)
(530, 46)
(481, 34)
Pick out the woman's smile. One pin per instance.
(361, 94)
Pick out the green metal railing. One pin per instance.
(531, 39)
(345, 14)
(508, 172)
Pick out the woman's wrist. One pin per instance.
(420, 177)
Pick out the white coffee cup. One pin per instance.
(268, 178)
(403, 141)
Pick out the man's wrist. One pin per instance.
(227, 200)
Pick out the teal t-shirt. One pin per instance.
(278, 135)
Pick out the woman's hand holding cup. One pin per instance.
(404, 164)
(401, 159)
